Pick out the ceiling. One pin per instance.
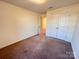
(43, 6)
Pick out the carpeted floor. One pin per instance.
(38, 48)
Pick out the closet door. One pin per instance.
(66, 26)
(62, 30)
(61, 25)
(51, 29)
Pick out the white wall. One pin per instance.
(75, 40)
(65, 18)
(16, 24)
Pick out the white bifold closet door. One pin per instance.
(61, 26)
(51, 25)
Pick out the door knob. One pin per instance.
(57, 27)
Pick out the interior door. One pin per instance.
(61, 25)
(66, 24)
(62, 30)
(52, 22)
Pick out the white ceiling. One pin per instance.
(42, 7)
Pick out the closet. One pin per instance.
(61, 24)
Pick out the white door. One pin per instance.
(62, 30)
(66, 24)
(51, 25)
(61, 26)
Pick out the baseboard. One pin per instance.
(59, 39)
(76, 56)
(17, 41)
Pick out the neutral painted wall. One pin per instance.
(16, 24)
(75, 40)
(64, 18)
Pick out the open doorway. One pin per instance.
(43, 26)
